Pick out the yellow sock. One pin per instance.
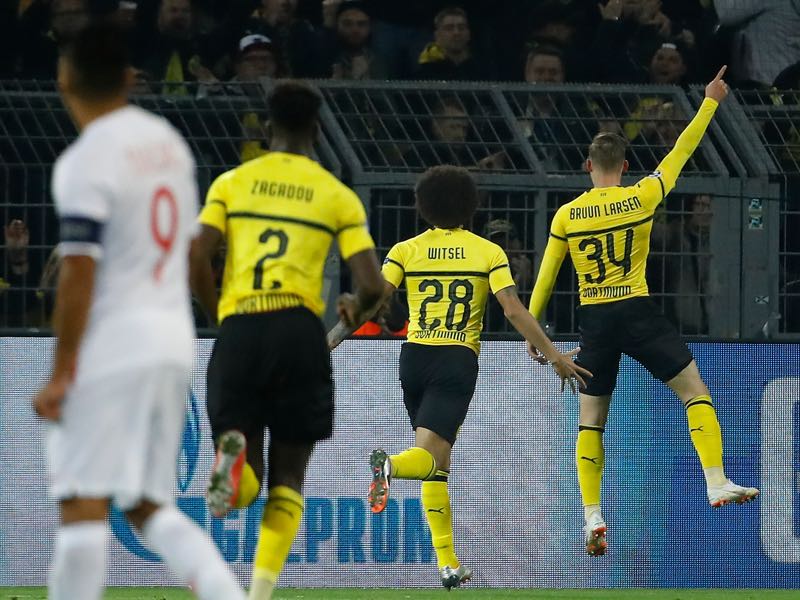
(589, 460)
(414, 463)
(436, 502)
(706, 436)
(249, 486)
(278, 527)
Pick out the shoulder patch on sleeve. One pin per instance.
(655, 174)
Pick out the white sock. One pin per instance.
(79, 562)
(261, 588)
(191, 555)
(715, 476)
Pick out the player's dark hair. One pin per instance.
(98, 57)
(607, 151)
(447, 196)
(544, 49)
(294, 107)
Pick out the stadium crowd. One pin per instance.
(224, 48)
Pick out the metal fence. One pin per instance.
(724, 262)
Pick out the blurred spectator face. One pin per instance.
(700, 217)
(451, 125)
(67, 17)
(667, 124)
(255, 63)
(175, 18)
(353, 28)
(279, 12)
(667, 66)
(559, 32)
(452, 34)
(544, 68)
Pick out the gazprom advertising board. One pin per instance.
(517, 509)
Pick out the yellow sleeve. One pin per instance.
(351, 230)
(500, 276)
(658, 184)
(215, 211)
(554, 255)
(394, 266)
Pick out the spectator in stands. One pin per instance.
(449, 56)
(554, 123)
(627, 30)
(687, 264)
(400, 32)
(296, 37)
(38, 56)
(765, 40)
(346, 41)
(653, 131)
(256, 58)
(171, 53)
(14, 278)
(503, 233)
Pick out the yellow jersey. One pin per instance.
(607, 230)
(448, 275)
(279, 214)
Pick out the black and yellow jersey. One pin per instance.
(448, 275)
(607, 230)
(279, 214)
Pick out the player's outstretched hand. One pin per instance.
(568, 371)
(47, 402)
(348, 309)
(536, 355)
(717, 89)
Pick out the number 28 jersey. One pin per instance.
(279, 214)
(448, 275)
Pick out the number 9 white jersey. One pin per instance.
(126, 195)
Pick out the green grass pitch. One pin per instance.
(30, 593)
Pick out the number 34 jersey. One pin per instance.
(607, 234)
(126, 196)
(279, 214)
(448, 275)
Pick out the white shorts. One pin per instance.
(119, 437)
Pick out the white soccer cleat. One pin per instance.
(729, 493)
(595, 530)
(453, 578)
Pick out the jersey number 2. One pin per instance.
(264, 238)
(610, 253)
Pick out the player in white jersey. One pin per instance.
(126, 197)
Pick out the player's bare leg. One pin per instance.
(706, 436)
(78, 566)
(589, 462)
(282, 514)
(186, 550)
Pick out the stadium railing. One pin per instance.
(729, 271)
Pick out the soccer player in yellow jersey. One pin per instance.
(607, 233)
(448, 272)
(278, 215)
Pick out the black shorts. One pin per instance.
(272, 370)
(438, 383)
(634, 327)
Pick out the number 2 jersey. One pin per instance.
(607, 230)
(126, 195)
(448, 275)
(279, 214)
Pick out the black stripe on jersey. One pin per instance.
(663, 193)
(394, 262)
(82, 230)
(303, 222)
(498, 267)
(353, 226)
(218, 202)
(558, 237)
(609, 229)
(446, 273)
